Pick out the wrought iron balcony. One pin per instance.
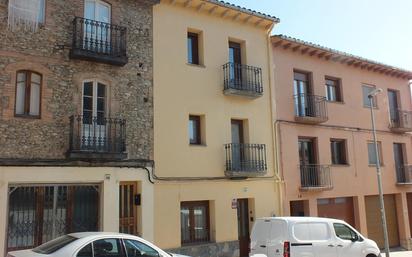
(97, 138)
(404, 175)
(310, 108)
(245, 160)
(98, 41)
(315, 177)
(401, 121)
(244, 80)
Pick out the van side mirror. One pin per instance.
(354, 238)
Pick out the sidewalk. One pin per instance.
(399, 254)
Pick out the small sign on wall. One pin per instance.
(234, 203)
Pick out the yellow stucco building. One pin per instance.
(214, 141)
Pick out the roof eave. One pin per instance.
(332, 54)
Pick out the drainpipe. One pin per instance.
(275, 138)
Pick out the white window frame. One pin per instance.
(97, 2)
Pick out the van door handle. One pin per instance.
(262, 246)
(331, 245)
(339, 245)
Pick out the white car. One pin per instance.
(309, 237)
(95, 244)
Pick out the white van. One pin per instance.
(309, 237)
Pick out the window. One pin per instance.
(54, 245)
(194, 222)
(26, 13)
(108, 247)
(333, 90)
(94, 101)
(28, 94)
(338, 151)
(365, 91)
(85, 251)
(193, 48)
(139, 249)
(344, 232)
(311, 231)
(194, 130)
(372, 155)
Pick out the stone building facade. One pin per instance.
(45, 139)
(46, 51)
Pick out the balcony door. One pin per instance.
(237, 140)
(94, 116)
(307, 159)
(97, 33)
(307, 151)
(399, 162)
(235, 61)
(393, 106)
(301, 90)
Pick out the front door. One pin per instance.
(399, 162)
(128, 208)
(243, 226)
(307, 159)
(94, 135)
(237, 141)
(235, 61)
(96, 30)
(393, 107)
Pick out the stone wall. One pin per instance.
(223, 249)
(46, 51)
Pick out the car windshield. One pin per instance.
(54, 245)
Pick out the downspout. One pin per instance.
(278, 180)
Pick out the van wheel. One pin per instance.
(371, 255)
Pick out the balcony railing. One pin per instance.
(404, 175)
(245, 160)
(401, 121)
(315, 177)
(97, 137)
(240, 79)
(98, 41)
(310, 108)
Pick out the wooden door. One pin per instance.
(409, 199)
(128, 208)
(243, 226)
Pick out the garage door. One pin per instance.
(373, 220)
(337, 208)
(409, 197)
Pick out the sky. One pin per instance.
(380, 30)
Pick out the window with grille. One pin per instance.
(194, 222)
